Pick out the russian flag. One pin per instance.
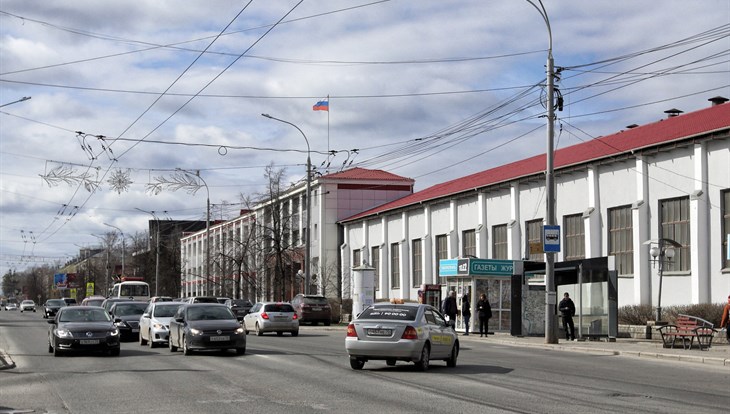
(321, 106)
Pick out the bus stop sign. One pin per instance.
(551, 239)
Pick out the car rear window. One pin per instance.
(203, 313)
(315, 300)
(398, 314)
(165, 311)
(56, 302)
(279, 307)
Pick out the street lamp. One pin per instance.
(662, 251)
(550, 219)
(307, 270)
(124, 250)
(157, 248)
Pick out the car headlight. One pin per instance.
(121, 324)
(194, 331)
(159, 326)
(239, 331)
(63, 333)
(114, 332)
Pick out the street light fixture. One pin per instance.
(124, 250)
(662, 251)
(307, 242)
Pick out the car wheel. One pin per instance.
(279, 333)
(295, 333)
(240, 351)
(173, 348)
(451, 362)
(142, 341)
(356, 364)
(56, 351)
(50, 347)
(186, 348)
(259, 332)
(327, 323)
(150, 341)
(422, 364)
(390, 362)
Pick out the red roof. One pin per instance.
(666, 130)
(365, 174)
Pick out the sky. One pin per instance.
(125, 95)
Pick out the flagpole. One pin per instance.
(328, 124)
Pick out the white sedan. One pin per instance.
(27, 305)
(401, 332)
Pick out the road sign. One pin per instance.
(551, 239)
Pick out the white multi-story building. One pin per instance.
(236, 258)
(615, 196)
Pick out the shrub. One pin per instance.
(640, 314)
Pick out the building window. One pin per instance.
(725, 212)
(499, 240)
(416, 262)
(442, 249)
(356, 258)
(533, 230)
(575, 240)
(620, 239)
(375, 262)
(469, 243)
(674, 219)
(395, 266)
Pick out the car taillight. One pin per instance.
(264, 315)
(409, 333)
(351, 332)
(294, 316)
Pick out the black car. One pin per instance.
(83, 328)
(126, 317)
(200, 326)
(239, 307)
(51, 307)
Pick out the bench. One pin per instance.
(686, 329)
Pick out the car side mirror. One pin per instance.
(146, 315)
(52, 321)
(179, 319)
(117, 320)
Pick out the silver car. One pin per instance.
(404, 332)
(154, 324)
(276, 317)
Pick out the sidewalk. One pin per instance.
(718, 354)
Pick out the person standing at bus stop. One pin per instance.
(450, 308)
(466, 312)
(567, 308)
(484, 311)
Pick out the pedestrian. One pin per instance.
(450, 308)
(725, 321)
(466, 312)
(484, 311)
(567, 308)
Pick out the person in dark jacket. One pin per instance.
(484, 311)
(466, 312)
(567, 308)
(450, 308)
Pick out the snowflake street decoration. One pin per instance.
(120, 181)
(181, 180)
(66, 174)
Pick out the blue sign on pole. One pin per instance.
(551, 239)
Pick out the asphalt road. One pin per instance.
(311, 373)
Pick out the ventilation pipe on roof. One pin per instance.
(671, 113)
(632, 126)
(718, 100)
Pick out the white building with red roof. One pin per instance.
(615, 194)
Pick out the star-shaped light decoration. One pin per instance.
(120, 181)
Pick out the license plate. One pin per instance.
(316, 309)
(219, 338)
(135, 330)
(380, 332)
(88, 341)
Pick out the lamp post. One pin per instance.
(124, 250)
(157, 248)
(662, 250)
(307, 270)
(550, 219)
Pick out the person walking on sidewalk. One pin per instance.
(466, 312)
(450, 308)
(484, 311)
(567, 308)
(725, 321)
